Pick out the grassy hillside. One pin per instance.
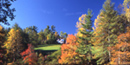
(48, 47)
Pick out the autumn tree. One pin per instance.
(29, 56)
(13, 44)
(51, 38)
(126, 5)
(108, 26)
(51, 35)
(85, 34)
(5, 11)
(68, 54)
(121, 51)
(2, 50)
(79, 25)
(56, 35)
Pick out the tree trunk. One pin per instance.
(118, 57)
(109, 47)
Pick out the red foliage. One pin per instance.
(29, 55)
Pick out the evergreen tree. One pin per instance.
(108, 26)
(53, 28)
(47, 31)
(32, 35)
(84, 48)
(23, 35)
(41, 37)
(17, 27)
(63, 34)
(2, 50)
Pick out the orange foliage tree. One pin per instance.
(121, 51)
(29, 56)
(68, 54)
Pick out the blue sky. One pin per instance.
(63, 14)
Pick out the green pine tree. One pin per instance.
(2, 40)
(85, 45)
(108, 26)
(41, 37)
(32, 35)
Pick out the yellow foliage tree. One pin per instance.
(80, 27)
(13, 44)
(56, 34)
(127, 9)
(49, 36)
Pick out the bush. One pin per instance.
(53, 58)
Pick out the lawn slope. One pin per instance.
(48, 47)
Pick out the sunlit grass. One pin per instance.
(48, 47)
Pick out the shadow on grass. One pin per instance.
(45, 52)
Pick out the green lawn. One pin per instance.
(48, 47)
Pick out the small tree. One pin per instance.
(68, 54)
(29, 56)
